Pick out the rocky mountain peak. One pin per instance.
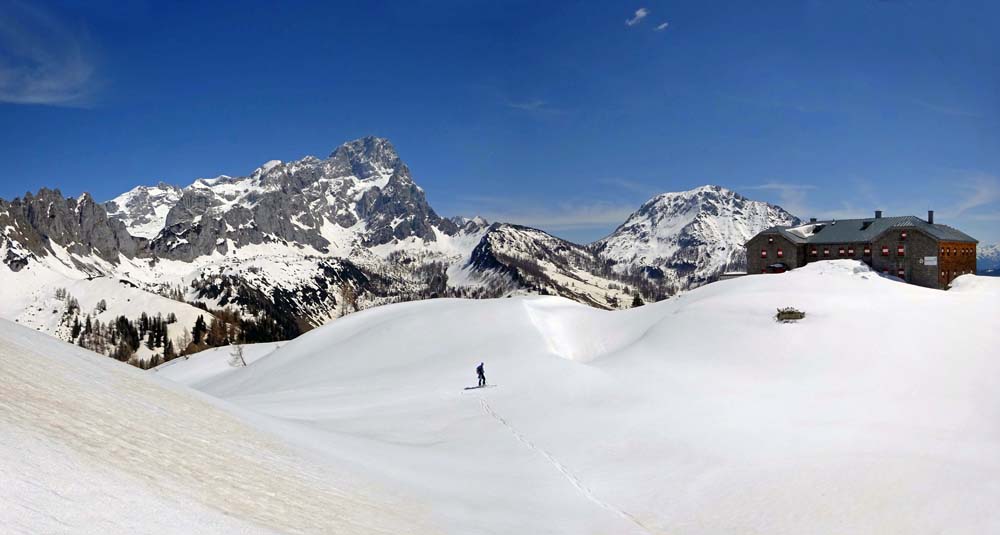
(368, 158)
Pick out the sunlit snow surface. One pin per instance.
(877, 413)
(90, 445)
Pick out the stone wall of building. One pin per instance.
(915, 265)
(791, 255)
(845, 251)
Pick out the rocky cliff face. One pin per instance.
(35, 224)
(361, 195)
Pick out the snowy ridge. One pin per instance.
(522, 259)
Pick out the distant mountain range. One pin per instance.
(295, 245)
(988, 259)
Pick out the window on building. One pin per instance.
(885, 250)
(763, 253)
(813, 251)
(850, 251)
(901, 273)
(826, 251)
(901, 250)
(868, 250)
(781, 254)
(841, 251)
(902, 235)
(770, 239)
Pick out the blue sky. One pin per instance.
(561, 115)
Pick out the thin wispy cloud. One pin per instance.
(640, 14)
(661, 27)
(565, 215)
(767, 102)
(977, 191)
(944, 110)
(535, 106)
(43, 59)
(629, 186)
(792, 196)
(531, 105)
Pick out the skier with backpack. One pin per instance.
(482, 374)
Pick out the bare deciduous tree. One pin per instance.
(236, 359)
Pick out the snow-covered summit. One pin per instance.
(144, 209)
(691, 236)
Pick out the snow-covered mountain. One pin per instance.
(522, 259)
(294, 245)
(988, 259)
(688, 238)
(144, 209)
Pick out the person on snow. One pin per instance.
(482, 374)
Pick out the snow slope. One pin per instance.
(878, 413)
(73, 461)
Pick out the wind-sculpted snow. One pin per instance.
(701, 414)
(88, 445)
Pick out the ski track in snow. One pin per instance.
(575, 481)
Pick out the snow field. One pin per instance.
(701, 414)
(88, 445)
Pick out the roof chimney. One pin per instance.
(878, 214)
(812, 219)
(930, 216)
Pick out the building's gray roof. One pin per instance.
(865, 230)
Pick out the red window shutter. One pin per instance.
(902, 235)
(901, 250)
(850, 251)
(885, 250)
(781, 253)
(841, 251)
(763, 253)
